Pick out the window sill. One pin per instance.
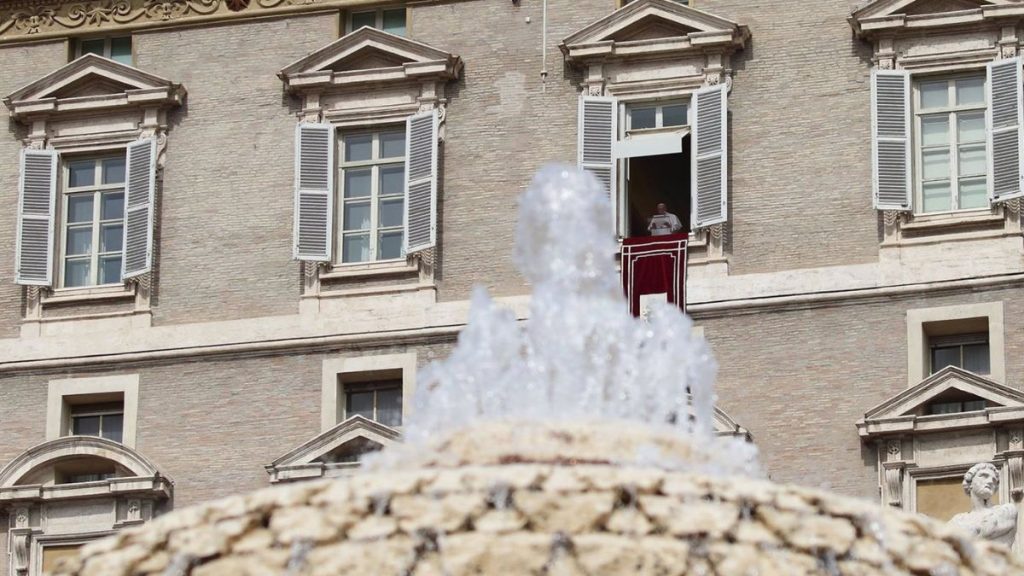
(89, 294)
(924, 223)
(370, 270)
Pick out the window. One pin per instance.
(648, 116)
(967, 351)
(118, 48)
(378, 401)
(387, 19)
(93, 221)
(105, 420)
(372, 196)
(950, 146)
(956, 407)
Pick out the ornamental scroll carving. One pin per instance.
(56, 18)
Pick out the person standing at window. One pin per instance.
(664, 222)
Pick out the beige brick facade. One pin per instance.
(807, 316)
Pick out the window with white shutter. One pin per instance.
(140, 188)
(598, 131)
(92, 216)
(890, 111)
(709, 170)
(314, 191)
(372, 195)
(37, 192)
(1005, 138)
(421, 182)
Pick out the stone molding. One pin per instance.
(68, 446)
(29, 20)
(887, 17)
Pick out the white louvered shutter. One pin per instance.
(598, 131)
(421, 182)
(1006, 107)
(709, 162)
(314, 196)
(140, 188)
(37, 196)
(890, 139)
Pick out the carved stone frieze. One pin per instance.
(23, 20)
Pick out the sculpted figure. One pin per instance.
(995, 523)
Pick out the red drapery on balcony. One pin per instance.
(654, 267)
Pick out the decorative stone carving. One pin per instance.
(19, 550)
(893, 484)
(21, 517)
(134, 511)
(995, 523)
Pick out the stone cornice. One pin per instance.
(29, 20)
(884, 21)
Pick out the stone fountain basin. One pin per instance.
(460, 513)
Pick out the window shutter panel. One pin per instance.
(709, 169)
(890, 139)
(314, 192)
(1006, 103)
(140, 179)
(421, 182)
(37, 197)
(598, 131)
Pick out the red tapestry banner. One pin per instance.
(654, 268)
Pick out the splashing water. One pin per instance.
(581, 356)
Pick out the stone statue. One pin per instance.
(995, 523)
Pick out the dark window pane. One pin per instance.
(85, 426)
(110, 270)
(394, 21)
(79, 240)
(81, 173)
(972, 405)
(390, 246)
(121, 49)
(80, 208)
(360, 19)
(113, 206)
(947, 356)
(392, 213)
(945, 408)
(92, 46)
(358, 183)
(392, 180)
(113, 171)
(355, 248)
(389, 407)
(673, 115)
(359, 403)
(392, 144)
(976, 358)
(643, 118)
(76, 273)
(111, 238)
(113, 424)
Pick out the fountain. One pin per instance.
(577, 444)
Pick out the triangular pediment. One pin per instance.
(946, 385)
(885, 8)
(366, 49)
(91, 76)
(353, 437)
(649, 20)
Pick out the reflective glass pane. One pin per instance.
(945, 408)
(358, 147)
(973, 194)
(121, 49)
(358, 183)
(392, 144)
(642, 118)
(355, 248)
(357, 216)
(79, 240)
(391, 213)
(359, 403)
(85, 426)
(934, 94)
(113, 206)
(76, 273)
(80, 208)
(389, 246)
(92, 46)
(972, 160)
(976, 358)
(972, 405)
(936, 164)
(360, 19)
(971, 127)
(942, 357)
(111, 237)
(389, 407)
(110, 270)
(394, 21)
(113, 425)
(81, 173)
(970, 91)
(392, 180)
(673, 115)
(936, 197)
(935, 130)
(113, 171)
